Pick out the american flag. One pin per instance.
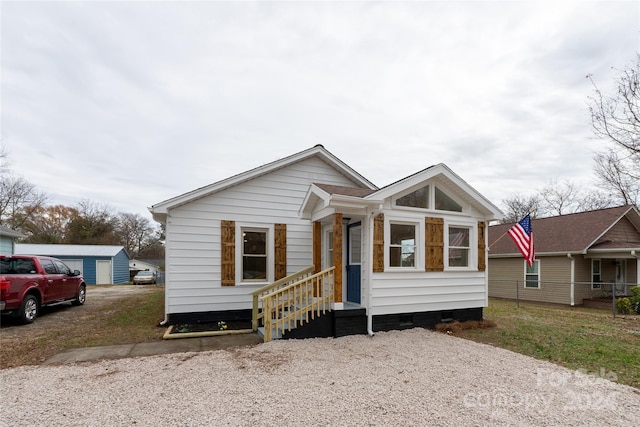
(522, 235)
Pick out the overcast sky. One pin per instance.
(130, 103)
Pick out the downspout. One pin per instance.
(573, 279)
(370, 273)
(637, 257)
(166, 278)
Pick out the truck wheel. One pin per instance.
(29, 309)
(81, 297)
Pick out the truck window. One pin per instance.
(62, 268)
(17, 266)
(48, 266)
(5, 266)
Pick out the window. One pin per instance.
(532, 275)
(459, 247)
(17, 266)
(62, 268)
(416, 199)
(254, 255)
(596, 276)
(48, 266)
(402, 245)
(446, 203)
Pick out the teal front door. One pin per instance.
(354, 254)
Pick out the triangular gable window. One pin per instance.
(446, 203)
(416, 199)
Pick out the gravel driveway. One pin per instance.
(401, 378)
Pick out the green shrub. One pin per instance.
(623, 305)
(635, 299)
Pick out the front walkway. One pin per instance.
(154, 348)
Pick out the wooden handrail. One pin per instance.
(285, 281)
(284, 308)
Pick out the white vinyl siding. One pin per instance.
(431, 291)
(415, 290)
(193, 234)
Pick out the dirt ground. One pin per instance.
(61, 320)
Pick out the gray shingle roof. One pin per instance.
(573, 233)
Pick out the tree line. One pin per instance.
(24, 208)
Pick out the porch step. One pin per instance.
(275, 336)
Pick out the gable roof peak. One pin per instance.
(159, 210)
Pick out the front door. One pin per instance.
(621, 276)
(354, 255)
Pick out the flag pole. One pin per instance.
(498, 239)
(507, 232)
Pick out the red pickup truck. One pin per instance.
(30, 282)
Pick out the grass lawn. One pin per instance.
(122, 321)
(578, 338)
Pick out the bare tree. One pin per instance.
(616, 119)
(555, 198)
(593, 200)
(617, 176)
(4, 160)
(565, 197)
(134, 231)
(518, 206)
(559, 196)
(19, 200)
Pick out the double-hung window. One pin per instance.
(254, 255)
(596, 276)
(532, 275)
(459, 246)
(402, 245)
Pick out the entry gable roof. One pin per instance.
(442, 174)
(573, 233)
(160, 210)
(439, 174)
(321, 196)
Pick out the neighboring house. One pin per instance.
(8, 240)
(409, 254)
(579, 256)
(136, 265)
(100, 264)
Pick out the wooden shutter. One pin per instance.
(378, 244)
(482, 227)
(434, 244)
(228, 238)
(281, 251)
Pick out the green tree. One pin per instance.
(49, 224)
(92, 224)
